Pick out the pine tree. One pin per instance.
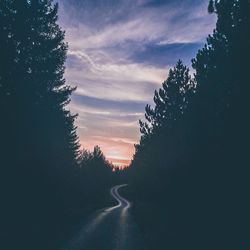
(33, 91)
(222, 65)
(171, 100)
(221, 110)
(39, 144)
(223, 80)
(202, 162)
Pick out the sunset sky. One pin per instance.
(119, 53)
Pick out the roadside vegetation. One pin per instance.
(188, 179)
(188, 175)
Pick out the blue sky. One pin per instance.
(119, 52)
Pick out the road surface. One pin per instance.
(111, 228)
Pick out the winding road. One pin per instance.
(111, 228)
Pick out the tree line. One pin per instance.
(188, 175)
(47, 181)
(188, 178)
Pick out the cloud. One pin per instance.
(116, 82)
(174, 23)
(109, 124)
(165, 54)
(119, 53)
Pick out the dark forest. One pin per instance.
(188, 179)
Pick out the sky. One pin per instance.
(120, 51)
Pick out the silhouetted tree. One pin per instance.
(33, 90)
(170, 101)
(162, 139)
(94, 177)
(95, 166)
(221, 66)
(38, 135)
(199, 160)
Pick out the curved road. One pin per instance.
(111, 228)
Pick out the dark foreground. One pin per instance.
(111, 228)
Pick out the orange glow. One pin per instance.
(120, 162)
(118, 153)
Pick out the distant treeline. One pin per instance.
(47, 183)
(188, 177)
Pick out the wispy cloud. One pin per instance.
(119, 53)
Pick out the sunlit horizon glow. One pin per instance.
(119, 53)
(117, 155)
